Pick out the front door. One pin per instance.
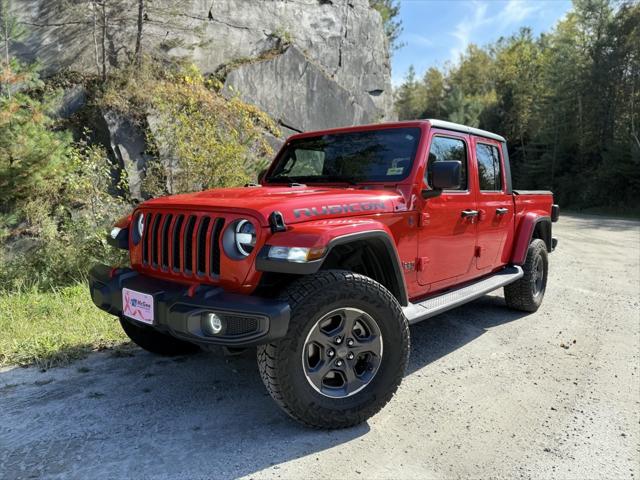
(446, 251)
(495, 206)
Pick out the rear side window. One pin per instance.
(447, 148)
(489, 168)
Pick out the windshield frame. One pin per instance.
(420, 131)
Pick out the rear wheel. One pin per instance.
(345, 352)
(527, 293)
(156, 342)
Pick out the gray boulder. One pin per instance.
(71, 101)
(127, 145)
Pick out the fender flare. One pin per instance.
(524, 235)
(265, 264)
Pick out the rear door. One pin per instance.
(447, 238)
(495, 204)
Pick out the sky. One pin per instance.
(437, 31)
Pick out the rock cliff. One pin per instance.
(308, 63)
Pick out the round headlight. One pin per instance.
(140, 225)
(245, 237)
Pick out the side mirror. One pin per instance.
(444, 176)
(261, 175)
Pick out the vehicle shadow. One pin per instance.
(201, 416)
(439, 336)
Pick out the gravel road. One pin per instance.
(489, 393)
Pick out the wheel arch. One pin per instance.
(375, 248)
(532, 226)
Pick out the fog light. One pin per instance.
(213, 323)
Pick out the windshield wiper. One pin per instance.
(337, 179)
(312, 179)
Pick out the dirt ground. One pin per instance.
(489, 393)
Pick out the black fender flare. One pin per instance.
(265, 264)
(525, 235)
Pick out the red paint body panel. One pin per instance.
(429, 234)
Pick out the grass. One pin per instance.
(53, 328)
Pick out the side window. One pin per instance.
(447, 148)
(489, 167)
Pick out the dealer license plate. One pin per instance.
(137, 305)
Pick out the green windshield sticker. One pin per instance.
(395, 171)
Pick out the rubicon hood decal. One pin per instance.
(357, 207)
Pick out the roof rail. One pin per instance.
(456, 127)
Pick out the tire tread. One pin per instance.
(276, 381)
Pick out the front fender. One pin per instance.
(326, 235)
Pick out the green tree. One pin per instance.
(410, 99)
(434, 93)
(31, 153)
(566, 100)
(10, 31)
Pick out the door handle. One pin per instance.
(469, 213)
(501, 211)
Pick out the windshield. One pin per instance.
(372, 156)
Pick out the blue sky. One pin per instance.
(437, 31)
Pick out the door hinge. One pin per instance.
(421, 263)
(478, 251)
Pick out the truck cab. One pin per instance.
(350, 236)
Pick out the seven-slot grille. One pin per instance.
(185, 244)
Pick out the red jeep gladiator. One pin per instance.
(351, 235)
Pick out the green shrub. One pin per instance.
(59, 197)
(203, 139)
(53, 237)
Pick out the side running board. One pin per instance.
(416, 312)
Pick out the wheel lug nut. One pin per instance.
(338, 340)
(331, 352)
(339, 363)
(350, 356)
(350, 342)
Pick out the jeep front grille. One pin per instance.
(182, 244)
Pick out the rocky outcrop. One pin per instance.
(336, 71)
(127, 144)
(297, 93)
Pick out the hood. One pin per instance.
(297, 204)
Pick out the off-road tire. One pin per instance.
(523, 294)
(280, 365)
(156, 342)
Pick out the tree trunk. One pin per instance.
(138, 52)
(94, 8)
(634, 134)
(104, 41)
(4, 13)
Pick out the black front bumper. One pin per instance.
(247, 320)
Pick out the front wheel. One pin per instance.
(344, 355)
(527, 293)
